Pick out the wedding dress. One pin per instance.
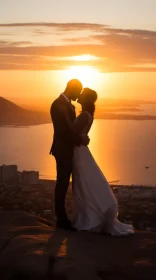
(95, 206)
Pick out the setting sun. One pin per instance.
(89, 76)
(85, 57)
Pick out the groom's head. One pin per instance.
(73, 89)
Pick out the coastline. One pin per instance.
(112, 116)
(137, 204)
(52, 181)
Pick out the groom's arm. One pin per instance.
(80, 140)
(75, 128)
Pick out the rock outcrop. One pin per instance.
(30, 248)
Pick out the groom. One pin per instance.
(63, 146)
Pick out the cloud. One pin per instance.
(6, 34)
(39, 32)
(37, 62)
(109, 60)
(62, 50)
(61, 26)
(79, 40)
(138, 32)
(6, 43)
(119, 50)
(128, 47)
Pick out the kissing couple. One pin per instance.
(95, 206)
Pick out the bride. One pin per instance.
(96, 208)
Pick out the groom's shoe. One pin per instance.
(65, 225)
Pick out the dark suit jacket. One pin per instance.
(63, 139)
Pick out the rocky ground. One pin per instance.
(137, 204)
(30, 249)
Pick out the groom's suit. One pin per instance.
(62, 149)
(63, 142)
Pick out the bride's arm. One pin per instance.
(80, 123)
(77, 127)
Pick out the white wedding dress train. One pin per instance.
(95, 206)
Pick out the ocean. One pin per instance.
(124, 150)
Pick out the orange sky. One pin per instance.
(43, 45)
(41, 87)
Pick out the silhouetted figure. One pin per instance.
(95, 205)
(62, 148)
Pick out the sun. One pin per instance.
(84, 57)
(89, 76)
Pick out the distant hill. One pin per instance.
(12, 114)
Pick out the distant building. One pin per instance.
(8, 174)
(30, 177)
(0, 173)
(20, 177)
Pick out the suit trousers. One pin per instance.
(64, 171)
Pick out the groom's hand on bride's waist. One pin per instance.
(82, 140)
(85, 140)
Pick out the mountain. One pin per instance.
(12, 114)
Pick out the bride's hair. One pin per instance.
(89, 98)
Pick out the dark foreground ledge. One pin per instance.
(32, 249)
